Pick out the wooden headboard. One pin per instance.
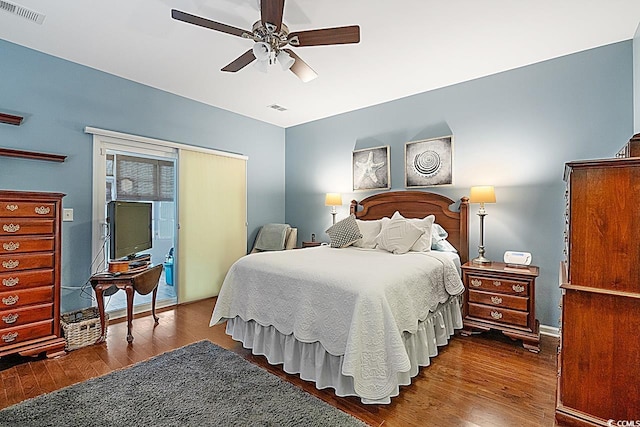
(418, 204)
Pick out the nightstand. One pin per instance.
(310, 244)
(501, 297)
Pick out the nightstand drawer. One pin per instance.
(496, 314)
(493, 284)
(499, 300)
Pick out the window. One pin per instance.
(138, 178)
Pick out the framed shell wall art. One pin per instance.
(428, 162)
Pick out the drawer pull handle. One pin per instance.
(12, 208)
(12, 263)
(518, 288)
(497, 283)
(11, 318)
(476, 282)
(42, 210)
(11, 336)
(11, 246)
(496, 315)
(10, 300)
(496, 300)
(11, 228)
(11, 281)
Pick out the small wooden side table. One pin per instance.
(501, 297)
(311, 244)
(143, 282)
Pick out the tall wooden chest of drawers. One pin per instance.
(500, 297)
(30, 248)
(599, 352)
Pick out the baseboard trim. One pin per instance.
(549, 331)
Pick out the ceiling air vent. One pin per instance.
(15, 9)
(277, 107)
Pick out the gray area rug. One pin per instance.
(201, 384)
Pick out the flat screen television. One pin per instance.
(129, 228)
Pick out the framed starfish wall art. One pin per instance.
(429, 162)
(371, 169)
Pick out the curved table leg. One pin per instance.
(100, 299)
(153, 305)
(129, 290)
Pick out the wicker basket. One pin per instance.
(82, 327)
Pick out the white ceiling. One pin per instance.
(406, 47)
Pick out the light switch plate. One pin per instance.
(67, 214)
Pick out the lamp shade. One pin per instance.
(333, 199)
(261, 51)
(285, 60)
(482, 194)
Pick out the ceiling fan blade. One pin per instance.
(206, 23)
(242, 61)
(300, 68)
(326, 36)
(271, 12)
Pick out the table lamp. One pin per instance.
(333, 200)
(482, 194)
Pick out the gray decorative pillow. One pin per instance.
(343, 233)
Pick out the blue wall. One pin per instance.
(514, 130)
(59, 98)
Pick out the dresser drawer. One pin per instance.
(25, 279)
(499, 300)
(19, 262)
(19, 244)
(497, 314)
(26, 332)
(24, 226)
(520, 288)
(25, 297)
(22, 316)
(27, 209)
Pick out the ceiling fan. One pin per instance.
(271, 38)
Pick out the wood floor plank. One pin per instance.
(482, 380)
(30, 386)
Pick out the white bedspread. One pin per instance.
(355, 302)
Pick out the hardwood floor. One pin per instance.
(482, 380)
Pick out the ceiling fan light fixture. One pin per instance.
(285, 60)
(261, 51)
(262, 66)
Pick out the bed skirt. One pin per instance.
(312, 362)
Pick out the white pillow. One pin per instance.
(398, 236)
(369, 230)
(425, 224)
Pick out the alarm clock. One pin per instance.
(517, 258)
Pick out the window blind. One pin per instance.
(139, 178)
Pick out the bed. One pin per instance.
(360, 320)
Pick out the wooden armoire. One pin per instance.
(599, 352)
